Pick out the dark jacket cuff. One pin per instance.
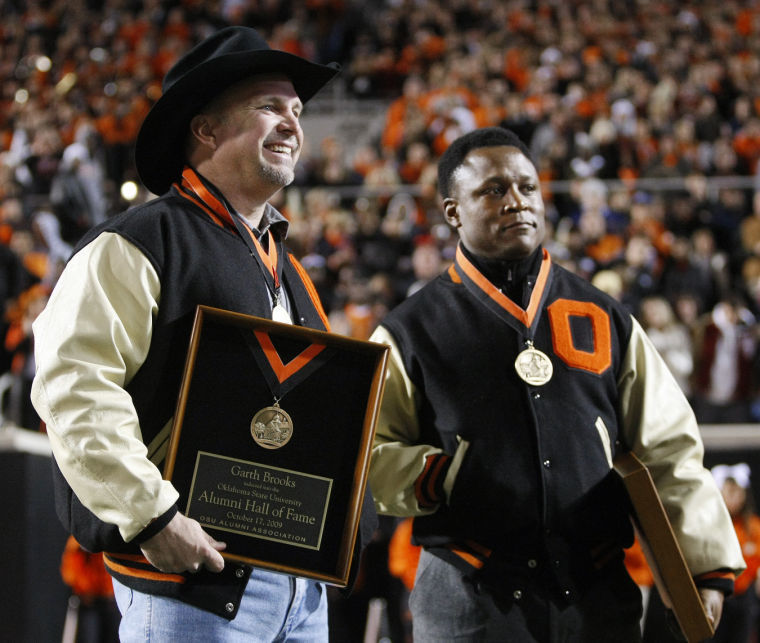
(156, 525)
(722, 580)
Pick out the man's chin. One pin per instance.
(519, 248)
(280, 176)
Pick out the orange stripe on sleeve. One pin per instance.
(726, 575)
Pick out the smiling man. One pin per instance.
(110, 347)
(512, 386)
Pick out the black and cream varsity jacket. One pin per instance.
(110, 350)
(511, 478)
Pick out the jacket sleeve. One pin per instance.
(660, 428)
(407, 478)
(90, 340)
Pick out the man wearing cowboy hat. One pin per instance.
(111, 344)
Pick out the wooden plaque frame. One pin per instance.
(291, 506)
(661, 550)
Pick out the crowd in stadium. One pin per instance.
(643, 119)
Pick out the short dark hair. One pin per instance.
(455, 154)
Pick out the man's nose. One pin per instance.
(289, 122)
(513, 200)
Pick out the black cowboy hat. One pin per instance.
(224, 58)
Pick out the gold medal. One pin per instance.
(271, 427)
(534, 366)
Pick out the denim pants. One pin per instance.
(446, 607)
(274, 608)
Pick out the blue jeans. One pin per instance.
(274, 608)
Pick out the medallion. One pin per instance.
(534, 366)
(271, 427)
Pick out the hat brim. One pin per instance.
(159, 150)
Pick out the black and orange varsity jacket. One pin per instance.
(510, 479)
(111, 347)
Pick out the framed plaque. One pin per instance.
(271, 440)
(661, 550)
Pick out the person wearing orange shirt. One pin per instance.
(740, 611)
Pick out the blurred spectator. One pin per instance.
(609, 281)
(747, 145)
(727, 214)
(598, 244)
(639, 272)
(331, 167)
(670, 337)
(82, 165)
(427, 264)
(646, 217)
(405, 120)
(587, 161)
(92, 616)
(39, 160)
(69, 197)
(376, 251)
(416, 160)
(46, 229)
(403, 557)
(751, 282)
(637, 566)
(738, 623)
(713, 266)
(19, 345)
(682, 214)
(725, 355)
(749, 229)
(593, 194)
(682, 274)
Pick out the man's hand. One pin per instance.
(712, 599)
(183, 546)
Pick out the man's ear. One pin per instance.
(202, 131)
(451, 212)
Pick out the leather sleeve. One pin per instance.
(660, 428)
(90, 340)
(398, 462)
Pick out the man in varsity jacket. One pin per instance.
(513, 384)
(111, 344)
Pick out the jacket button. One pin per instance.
(240, 572)
(230, 607)
(532, 563)
(547, 463)
(517, 594)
